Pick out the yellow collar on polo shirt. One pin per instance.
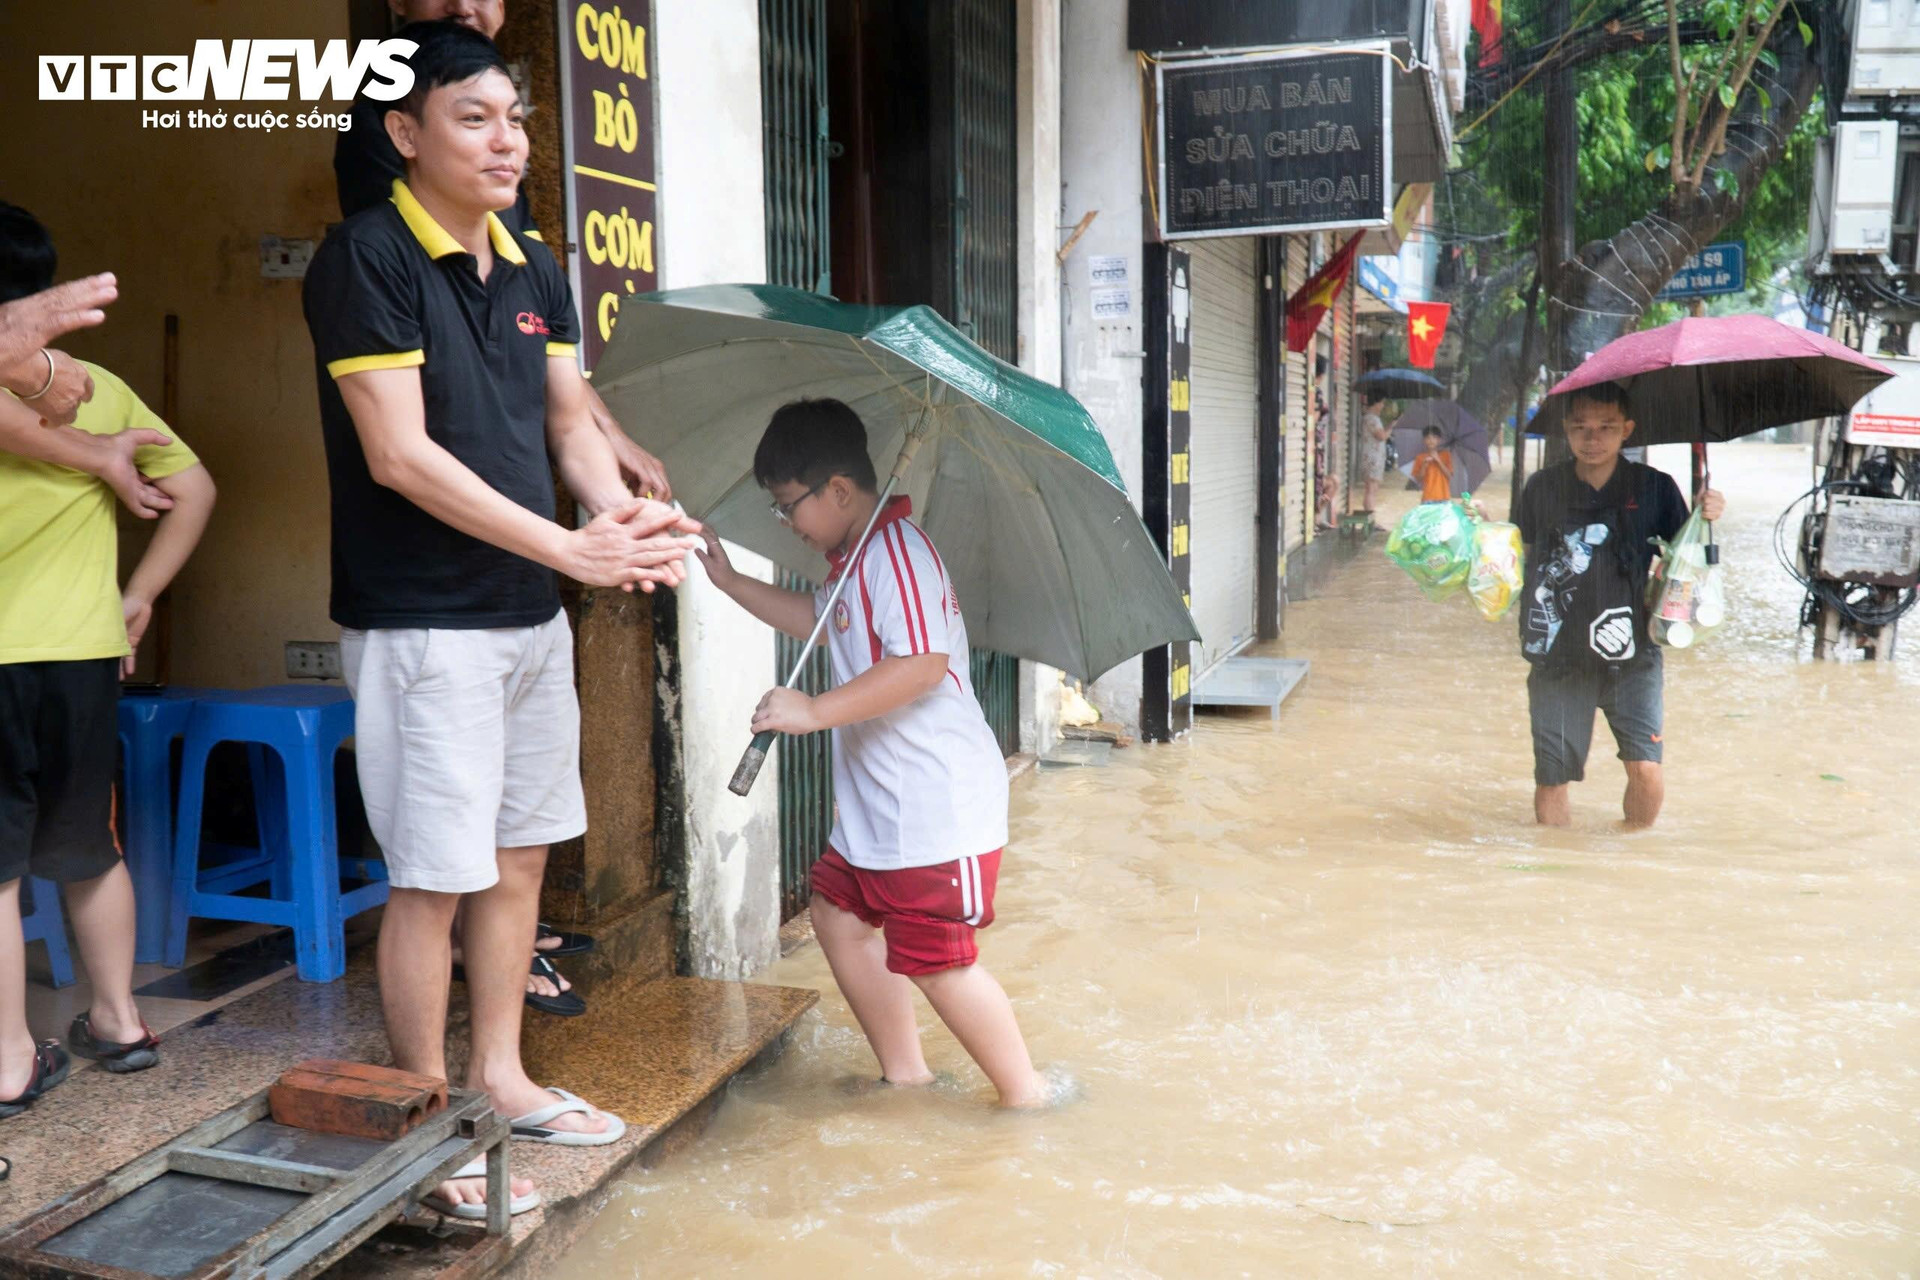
(434, 238)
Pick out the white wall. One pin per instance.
(1100, 168)
(1037, 113)
(712, 231)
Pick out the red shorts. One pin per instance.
(928, 914)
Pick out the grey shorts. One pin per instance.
(468, 742)
(1562, 704)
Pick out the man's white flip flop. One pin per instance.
(534, 1126)
(477, 1212)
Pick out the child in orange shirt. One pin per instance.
(1434, 468)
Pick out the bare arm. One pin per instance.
(179, 533)
(579, 446)
(109, 458)
(788, 612)
(645, 474)
(886, 686)
(52, 382)
(390, 418)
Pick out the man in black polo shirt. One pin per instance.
(448, 393)
(1588, 525)
(365, 165)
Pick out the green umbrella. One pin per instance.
(1010, 476)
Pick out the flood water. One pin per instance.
(1339, 1008)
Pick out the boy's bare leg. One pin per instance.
(1646, 792)
(881, 1000)
(102, 912)
(981, 1018)
(16, 1041)
(415, 965)
(1552, 807)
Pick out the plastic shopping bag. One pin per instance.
(1434, 544)
(1494, 578)
(1686, 598)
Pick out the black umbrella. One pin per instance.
(1399, 384)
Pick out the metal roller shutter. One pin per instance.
(1296, 482)
(1226, 409)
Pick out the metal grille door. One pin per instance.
(793, 104)
(982, 210)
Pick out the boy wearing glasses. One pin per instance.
(918, 777)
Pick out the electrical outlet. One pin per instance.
(282, 258)
(313, 660)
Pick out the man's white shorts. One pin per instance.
(467, 742)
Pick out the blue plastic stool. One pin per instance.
(45, 923)
(149, 722)
(293, 732)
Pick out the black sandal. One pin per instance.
(50, 1067)
(571, 944)
(565, 1004)
(121, 1059)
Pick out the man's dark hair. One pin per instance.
(448, 53)
(1432, 433)
(27, 259)
(810, 442)
(1603, 393)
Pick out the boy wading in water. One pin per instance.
(919, 780)
(1588, 523)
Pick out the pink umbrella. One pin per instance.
(1722, 377)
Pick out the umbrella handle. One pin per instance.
(750, 762)
(756, 753)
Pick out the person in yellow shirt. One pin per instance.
(1434, 468)
(67, 633)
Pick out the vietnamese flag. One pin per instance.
(1487, 25)
(1310, 302)
(1426, 325)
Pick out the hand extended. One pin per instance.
(114, 463)
(1712, 503)
(30, 323)
(138, 614)
(713, 558)
(627, 546)
(786, 711)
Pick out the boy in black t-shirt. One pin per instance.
(1601, 659)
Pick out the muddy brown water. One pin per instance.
(1338, 1008)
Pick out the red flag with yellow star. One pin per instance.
(1426, 325)
(1310, 302)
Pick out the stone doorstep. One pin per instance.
(657, 1054)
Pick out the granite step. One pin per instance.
(658, 1054)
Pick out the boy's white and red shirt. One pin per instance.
(925, 783)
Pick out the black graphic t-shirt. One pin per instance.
(1568, 526)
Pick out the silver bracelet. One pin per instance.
(50, 376)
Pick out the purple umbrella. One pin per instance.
(1721, 377)
(1464, 434)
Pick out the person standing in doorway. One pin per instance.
(449, 395)
(1374, 435)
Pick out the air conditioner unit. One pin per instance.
(1866, 162)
